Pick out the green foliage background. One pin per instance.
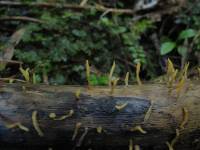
(59, 47)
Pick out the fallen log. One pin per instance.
(50, 116)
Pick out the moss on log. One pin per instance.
(105, 120)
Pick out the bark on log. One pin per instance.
(97, 108)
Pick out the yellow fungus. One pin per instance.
(53, 115)
(185, 118)
(111, 74)
(120, 107)
(175, 138)
(19, 125)
(99, 129)
(169, 146)
(36, 124)
(148, 113)
(136, 147)
(11, 80)
(113, 84)
(126, 79)
(23, 88)
(171, 73)
(180, 86)
(199, 71)
(25, 73)
(77, 94)
(138, 128)
(130, 144)
(185, 70)
(170, 67)
(87, 72)
(138, 73)
(77, 127)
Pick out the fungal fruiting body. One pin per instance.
(36, 124)
(136, 147)
(180, 86)
(138, 73)
(99, 129)
(77, 94)
(169, 146)
(113, 85)
(25, 73)
(148, 113)
(77, 127)
(126, 79)
(82, 137)
(120, 107)
(171, 73)
(53, 115)
(174, 140)
(88, 72)
(185, 70)
(130, 144)
(111, 74)
(185, 118)
(138, 128)
(17, 124)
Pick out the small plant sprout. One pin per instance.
(113, 84)
(17, 125)
(130, 144)
(136, 147)
(25, 73)
(77, 94)
(88, 72)
(77, 127)
(111, 74)
(138, 128)
(185, 118)
(126, 79)
(120, 107)
(138, 67)
(53, 115)
(36, 124)
(99, 129)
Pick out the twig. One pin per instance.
(20, 18)
(66, 6)
(10, 61)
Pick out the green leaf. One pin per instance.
(182, 50)
(188, 33)
(167, 47)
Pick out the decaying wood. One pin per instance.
(148, 115)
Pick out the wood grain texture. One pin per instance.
(96, 108)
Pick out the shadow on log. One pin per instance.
(98, 120)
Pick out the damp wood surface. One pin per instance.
(105, 120)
